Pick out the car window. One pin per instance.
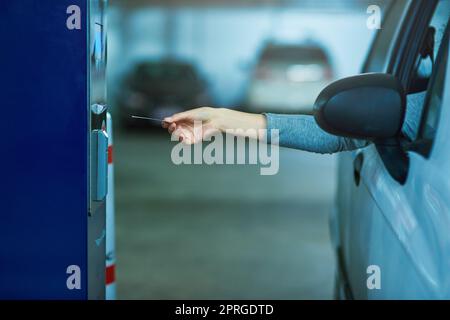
(424, 68)
(433, 104)
(377, 59)
(430, 47)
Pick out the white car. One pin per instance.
(288, 78)
(391, 223)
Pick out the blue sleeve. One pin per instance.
(302, 132)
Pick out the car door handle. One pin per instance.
(357, 167)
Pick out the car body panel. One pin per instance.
(342, 221)
(403, 229)
(415, 220)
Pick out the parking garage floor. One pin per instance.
(220, 232)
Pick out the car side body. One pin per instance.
(398, 229)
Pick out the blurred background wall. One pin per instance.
(198, 232)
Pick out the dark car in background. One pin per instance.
(288, 78)
(158, 89)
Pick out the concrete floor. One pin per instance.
(220, 232)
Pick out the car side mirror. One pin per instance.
(369, 106)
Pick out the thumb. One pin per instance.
(182, 116)
(190, 115)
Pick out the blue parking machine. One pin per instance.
(53, 149)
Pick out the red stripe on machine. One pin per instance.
(110, 154)
(110, 274)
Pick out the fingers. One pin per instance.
(184, 134)
(190, 135)
(182, 125)
(172, 127)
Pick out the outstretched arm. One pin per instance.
(295, 131)
(214, 120)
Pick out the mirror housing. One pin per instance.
(369, 106)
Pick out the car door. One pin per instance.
(398, 226)
(342, 229)
(430, 171)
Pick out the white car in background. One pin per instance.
(288, 78)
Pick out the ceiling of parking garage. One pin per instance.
(319, 5)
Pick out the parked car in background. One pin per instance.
(158, 89)
(390, 227)
(288, 78)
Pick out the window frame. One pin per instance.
(400, 62)
(442, 54)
